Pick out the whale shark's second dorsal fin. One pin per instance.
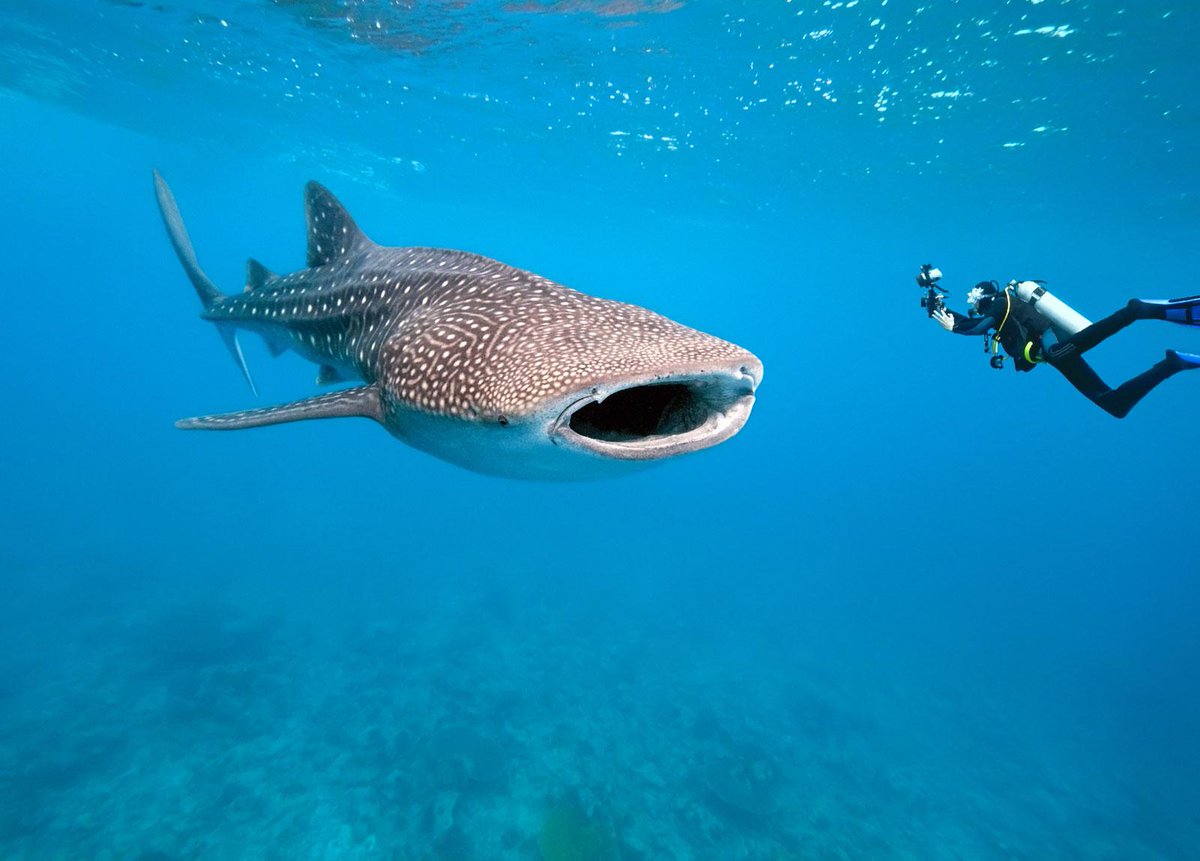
(257, 275)
(332, 233)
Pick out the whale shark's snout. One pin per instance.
(648, 418)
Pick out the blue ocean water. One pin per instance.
(917, 608)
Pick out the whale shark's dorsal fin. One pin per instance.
(332, 233)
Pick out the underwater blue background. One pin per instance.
(917, 608)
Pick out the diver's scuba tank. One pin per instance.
(1064, 320)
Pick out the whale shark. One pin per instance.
(484, 365)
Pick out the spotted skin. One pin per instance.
(443, 334)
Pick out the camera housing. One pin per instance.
(929, 275)
(934, 299)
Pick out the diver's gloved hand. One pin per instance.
(944, 318)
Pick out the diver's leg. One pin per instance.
(1085, 339)
(1119, 401)
(1079, 373)
(1185, 310)
(1122, 399)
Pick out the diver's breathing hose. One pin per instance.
(1007, 311)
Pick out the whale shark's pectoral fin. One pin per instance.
(361, 401)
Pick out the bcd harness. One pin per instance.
(991, 343)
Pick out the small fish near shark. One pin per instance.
(490, 367)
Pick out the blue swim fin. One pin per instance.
(1185, 310)
(1183, 361)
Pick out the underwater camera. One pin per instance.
(934, 299)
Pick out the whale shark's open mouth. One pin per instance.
(661, 417)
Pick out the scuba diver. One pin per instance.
(1035, 327)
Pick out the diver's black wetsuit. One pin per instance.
(1021, 336)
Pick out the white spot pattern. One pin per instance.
(454, 333)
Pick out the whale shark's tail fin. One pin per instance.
(205, 289)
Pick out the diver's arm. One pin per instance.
(973, 325)
(960, 324)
